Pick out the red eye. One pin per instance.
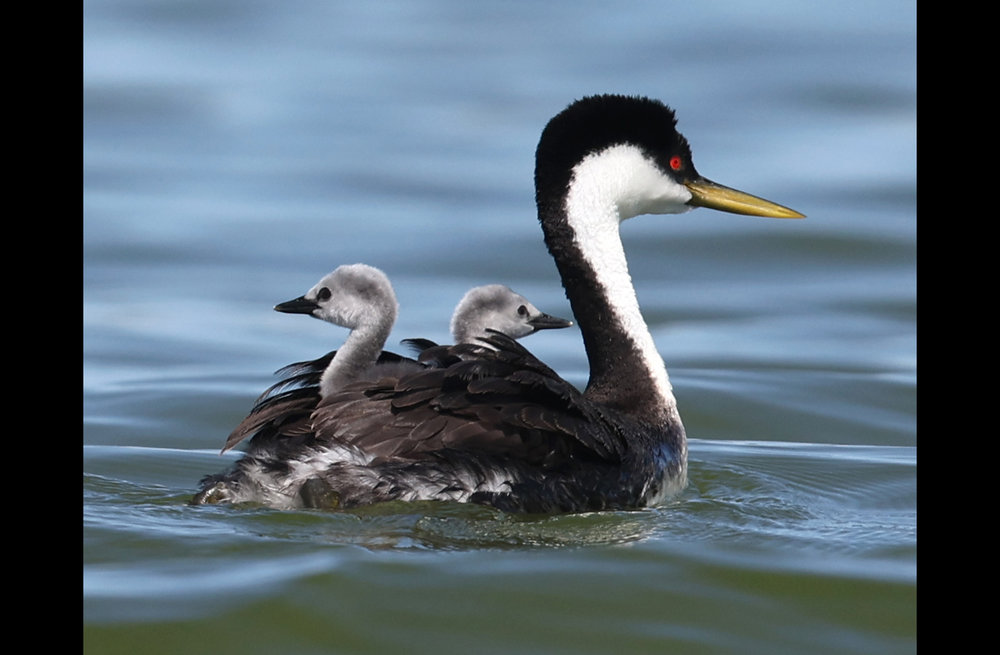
(676, 163)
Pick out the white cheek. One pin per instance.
(621, 177)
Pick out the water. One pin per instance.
(235, 152)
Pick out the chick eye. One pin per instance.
(324, 294)
(676, 163)
(522, 311)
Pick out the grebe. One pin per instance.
(355, 296)
(495, 425)
(487, 309)
(499, 308)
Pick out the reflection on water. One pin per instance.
(803, 496)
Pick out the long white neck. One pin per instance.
(626, 368)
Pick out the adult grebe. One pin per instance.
(495, 425)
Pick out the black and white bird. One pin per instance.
(492, 424)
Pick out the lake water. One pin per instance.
(235, 152)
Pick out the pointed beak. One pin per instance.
(548, 322)
(706, 193)
(300, 305)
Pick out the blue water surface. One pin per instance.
(235, 152)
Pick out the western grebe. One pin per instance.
(495, 425)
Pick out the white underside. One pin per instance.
(283, 492)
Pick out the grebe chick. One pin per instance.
(484, 310)
(500, 308)
(356, 296)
